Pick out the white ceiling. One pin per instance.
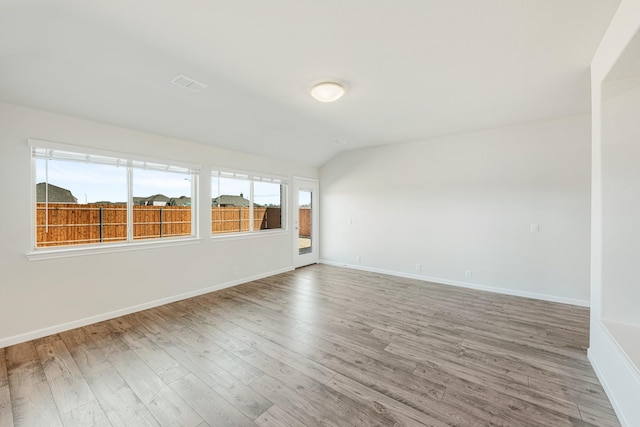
(414, 68)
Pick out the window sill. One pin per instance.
(66, 252)
(247, 235)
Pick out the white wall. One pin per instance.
(467, 202)
(621, 207)
(40, 297)
(614, 338)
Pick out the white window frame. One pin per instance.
(252, 177)
(131, 162)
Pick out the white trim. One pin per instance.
(251, 207)
(42, 143)
(195, 206)
(607, 388)
(619, 378)
(247, 175)
(16, 339)
(235, 235)
(476, 286)
(104, 248)
(129, 207)
(313, 185)
(33, 203)
(625, 336)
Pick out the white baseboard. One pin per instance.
(618, 377)
(20, 338)
(480, 287)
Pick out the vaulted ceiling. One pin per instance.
(414, 69)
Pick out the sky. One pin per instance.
(304, 198)
(90, 183)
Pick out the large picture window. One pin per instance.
(89, 199)
(244, 203)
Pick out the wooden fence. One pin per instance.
(304, 219)
(72, 224)
(235, 219)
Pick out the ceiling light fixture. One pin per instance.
(327, 91)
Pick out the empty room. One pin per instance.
(319, 213)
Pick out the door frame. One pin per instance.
(313, 185)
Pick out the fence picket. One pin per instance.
(72, 224)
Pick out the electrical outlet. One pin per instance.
(535, 228)
(467, 274)
(358, 259)
(418, 267)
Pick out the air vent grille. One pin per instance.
(189, 83)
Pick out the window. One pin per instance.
(89, 199)
(166, 209)
(267, 207)
(246, 203)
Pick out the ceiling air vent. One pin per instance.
(189, 83)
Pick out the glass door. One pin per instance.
(305, 222)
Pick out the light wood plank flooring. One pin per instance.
(320, 346)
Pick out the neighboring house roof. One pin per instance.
(56, 194)
(160, 199)
(180, 201)
(151, 200)
(226, 200)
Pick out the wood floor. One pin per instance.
(320, 346)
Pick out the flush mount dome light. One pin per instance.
(327, 91)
